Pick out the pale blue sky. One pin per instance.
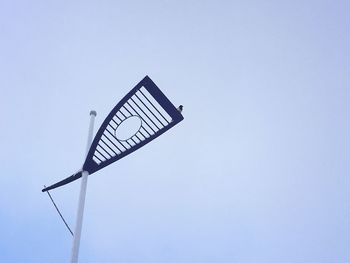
(257, 172)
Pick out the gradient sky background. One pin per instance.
(257, 172)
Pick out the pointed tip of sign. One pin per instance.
(93, 113)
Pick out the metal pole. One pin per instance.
(80, 213)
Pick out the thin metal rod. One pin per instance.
(81, 204)
(59, 212)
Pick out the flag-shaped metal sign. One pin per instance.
(145, 103)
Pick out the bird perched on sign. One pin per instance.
(180, 108)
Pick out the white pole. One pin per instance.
(80, 213)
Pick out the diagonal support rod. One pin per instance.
(59, 212)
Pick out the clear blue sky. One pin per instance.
(258, 172)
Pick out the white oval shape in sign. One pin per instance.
(128, 128)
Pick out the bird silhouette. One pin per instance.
(180, 108)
